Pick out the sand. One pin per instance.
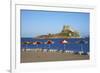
(39, 56)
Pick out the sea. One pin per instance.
(74, 44)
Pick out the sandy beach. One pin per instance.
(39, 56)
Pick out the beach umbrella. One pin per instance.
(81, 42)
(64, 42)
(37, 43)
(49, 42)
(26, 44)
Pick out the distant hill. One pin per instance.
(67, 32)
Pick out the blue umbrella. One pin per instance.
(81, 42)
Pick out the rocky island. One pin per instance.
(66, 32)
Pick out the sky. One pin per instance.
(38, 22)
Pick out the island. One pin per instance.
(66, 32)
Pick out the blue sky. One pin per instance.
(34, 23)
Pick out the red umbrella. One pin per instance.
(37, 43)
(64, 42)
(49, 42)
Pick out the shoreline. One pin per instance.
(40, 56)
